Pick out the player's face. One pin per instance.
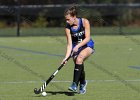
(69, 19)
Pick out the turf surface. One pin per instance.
(112, 71)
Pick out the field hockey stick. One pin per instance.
(37, 91)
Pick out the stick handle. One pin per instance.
(51, 77)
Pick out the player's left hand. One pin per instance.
(75, 49)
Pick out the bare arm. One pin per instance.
(69, 42)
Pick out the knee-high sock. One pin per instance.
(77, 73)
(82, 77)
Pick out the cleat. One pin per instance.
(82, 89)
(73, 87)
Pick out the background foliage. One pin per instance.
(54, 17)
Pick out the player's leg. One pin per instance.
(85, 53)
(74, 84)
(82, 76)
(79, 67)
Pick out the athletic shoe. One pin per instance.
(73, 87)
(82, 89)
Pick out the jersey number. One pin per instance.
(79, 40)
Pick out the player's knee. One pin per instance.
(79, 60)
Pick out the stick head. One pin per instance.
(36, 91)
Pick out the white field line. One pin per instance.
(90, 81)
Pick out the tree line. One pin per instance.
(97, 16)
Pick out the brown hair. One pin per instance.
(71, 10)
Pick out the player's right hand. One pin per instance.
(64, 61)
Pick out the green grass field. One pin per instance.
(113, 71)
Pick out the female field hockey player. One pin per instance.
(78, 41)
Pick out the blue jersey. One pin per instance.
(78, 35)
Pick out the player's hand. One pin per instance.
(64, 61)
(75, 49)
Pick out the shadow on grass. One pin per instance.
(54, 93)
(61, 92)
